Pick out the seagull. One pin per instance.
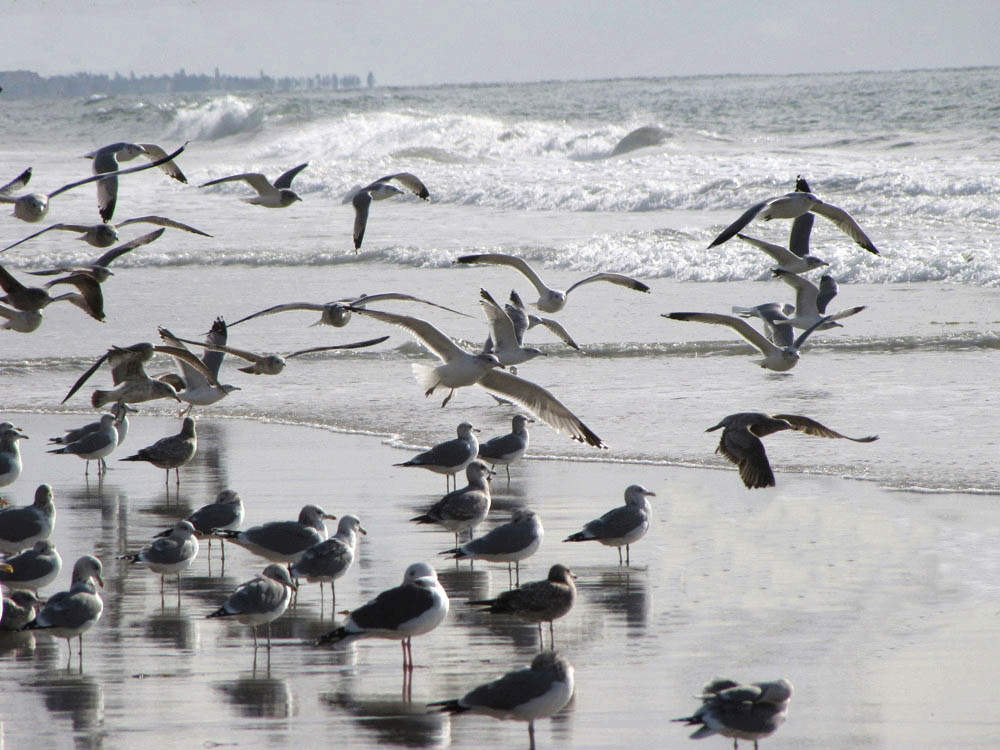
(260, 600)
(379, 190)
(811, 301)
(550, 300)
(780, 355)
(33, 299)
(128, 373)
(330, 559)
(19, 608)
(460, 368)
(796, 257)
(283, 541)
(464, 509)
(94, 445)
(225, 514)
(538, 601)
(511, 542)
(273, 364)
(118, 410)
(69, 614)
(416, 607)
(170, 555)
(621, 526)
(105, 160)
(33, 207)
(277, 195)
(33, 568)
(451, 456)
(506, 449)
(742, 712)
(10, 453)
(792, 205)
(525, 695)
(337, 314)
(200, 386)
(22, 321)
(23, 525)
(171, 452)
(98, 268)
(741, 443)
(105, 235)
(504, 340)
(524, 321)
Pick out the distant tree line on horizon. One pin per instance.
(28, 84)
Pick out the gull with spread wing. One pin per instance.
(105, 235)
(276, 195)
(105, 161)
(379, 190)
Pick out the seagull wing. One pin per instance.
(187, 358)
(501, 328)
(386, 296)
(355, 345)
(798, 238)
(501, 259)
(409, 181)
(285, 180)
(160, 221)
(555, 327)
(120, 250)
(254, 179)
(155, 152)
(541, 403)
(241, 353)
(805, 334)
(67, 227)
(812, 427)
(83, 378)
(729, 232)
(429, 336)
(362, 200)
(282, 308)
(744, 329)
(614, 278)
(746, 450)
(105, 175)
(18, 183)
(806, 293)
(194, 374)
(845, 223)
(781, 255)
(89, 288)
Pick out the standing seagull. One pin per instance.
(23, 525)
(330, 559)
(34, 568)
(551, 300)
(260, 600)
(169, 556)
(277, 195)
(742, 712)
(19, 608)
(459, 368)
(225, 514)
(511, 542)
(416, 607)
(171, 452)
(741, 443)
(119, 410)
(538, 601)
(33, 207)
(200, 386)
(69, 614)
(525, 695)
(780, 355)
(283, 541)
(95, 445)
(449, 457)
(464, 509)
(105, 161)
(10, 453)
(506, 449)
(621, 526)
(379, 190)
(791, 206)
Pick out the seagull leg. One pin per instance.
(541, 638)
(448, 398)
(517, 567)
(628, 561)
(508, 476)
(269, 637)
(552, 636)
(619, 555)
(531, 735)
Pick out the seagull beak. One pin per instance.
(97, 577)
(5, 568)
(329, 517)
(362, 530)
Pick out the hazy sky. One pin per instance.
(422, 41)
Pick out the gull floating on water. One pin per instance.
(337, 314)
(283, 541)
(170, 555)
(23, 525)
(225, 514)
(330, 559)
(506, 449)
(550, 300)
(34, 568)
(171, 452)
(69, 614)
(781, 352)
(105, 235)
(524, 695)
(381, 189)
(277, 195)
(259, 601)
(416, 607)
(741, 712)
(94, 445)
(464, 509)
(741, 443)
(451, 456)
(459, 368)
(105, 161)
(33, 207)
(200, 386)
(511, 542)
(538, 601)
(792, 205)
(621, 526)
(10, 453)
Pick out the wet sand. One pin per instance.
(880, 606)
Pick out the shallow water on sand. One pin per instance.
(848, 590)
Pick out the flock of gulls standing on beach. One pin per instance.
(301, 550)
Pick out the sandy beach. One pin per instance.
(875, 604)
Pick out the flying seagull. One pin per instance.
(276, 195)
(105, 161)
(379, 190)
(105, 235)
